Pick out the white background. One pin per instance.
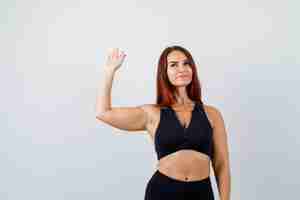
(52, 54)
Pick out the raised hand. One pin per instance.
(115, 59)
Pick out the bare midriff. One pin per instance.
(185, 165)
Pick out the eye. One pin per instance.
(187, 63)
(172, 65)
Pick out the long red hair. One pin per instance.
(165, 90)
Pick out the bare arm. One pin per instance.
(103, 99)
(124, 118)
(221, 156)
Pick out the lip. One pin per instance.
(182, 76)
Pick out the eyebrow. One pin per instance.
(177, 61)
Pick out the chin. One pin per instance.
(184, 81)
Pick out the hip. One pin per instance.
(161, 186)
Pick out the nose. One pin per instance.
(182, 68)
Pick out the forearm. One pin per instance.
(224, 183)
(103, 99)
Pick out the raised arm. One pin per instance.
(124, 118)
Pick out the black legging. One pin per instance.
(163, 187)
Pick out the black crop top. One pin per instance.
(171, 136)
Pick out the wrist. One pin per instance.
(109, 69)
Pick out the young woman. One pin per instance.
(187, 134)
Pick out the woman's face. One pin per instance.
(179, 69)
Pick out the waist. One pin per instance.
(184, 165)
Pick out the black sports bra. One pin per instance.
(171, 136)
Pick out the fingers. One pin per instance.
(115, 54)
(110, 52)
(122, 55)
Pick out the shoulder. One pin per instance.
(212, 109)
(152, 110)
(149, 107)
(214, 113)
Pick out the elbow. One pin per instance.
(221, 166)
(103, 114)
(101, 111)
(100, 115)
